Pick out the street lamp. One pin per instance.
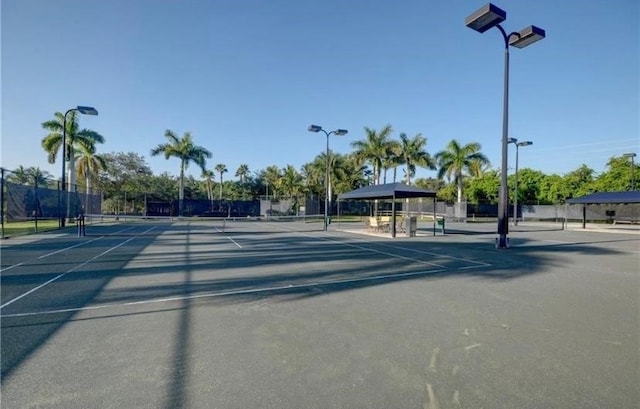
(327, 199)
(85, 111)
(515, 195)
(633, 176)
(482, 20)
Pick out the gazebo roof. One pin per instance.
(387, 191)
(607, 198)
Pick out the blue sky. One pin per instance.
(248, 77)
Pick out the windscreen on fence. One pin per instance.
(207, 208)
(28, 202)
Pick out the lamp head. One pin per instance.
(485, 18)
(527, 36)
(87, 110)
(314, 128)
(525, 143)
(340, 132)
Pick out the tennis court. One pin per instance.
(226, 313)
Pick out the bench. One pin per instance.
(379, 225)
(626, 220)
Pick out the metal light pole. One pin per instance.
(83, 110)
(515, 189)
(633, 176)
(482, 20)
(327, 182)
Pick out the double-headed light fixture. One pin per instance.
(327, 181)
(65, 154)
(482, 20)
(515, 189)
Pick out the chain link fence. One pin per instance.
(31, 203)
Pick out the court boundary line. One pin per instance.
(2, 270)
(328, 239)
(232, 240)
(110, 249)
(235, 292)
(440, 268)
(466, 260)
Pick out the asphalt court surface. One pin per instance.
(190, 314)
(258, 256)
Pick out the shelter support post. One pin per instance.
(393, 217)
(434, 216)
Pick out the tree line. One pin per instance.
(463, 171)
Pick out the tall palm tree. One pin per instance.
(41, 177)
(208, 179)
(89, 166)
(185, 150)
(393, 158)
(242, 173)
(272, 176)
(291, 184)
(347, 173)
(413, 154)
(20, 176)
(29, 176)
(312, 176)
(455, 159)
(221, 168)
(478, 168)
(76, 139)
(373, 149)
(291, 181)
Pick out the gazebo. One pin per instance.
(393, 192)
(604, 198)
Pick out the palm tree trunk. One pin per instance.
(88, 192)
(181, 190)
(459, 188)
(72, 182)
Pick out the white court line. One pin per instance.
(367, 249)
(388, 254)
(471, 267)
(232, 240)
(228, 293)
(68, 248)
(2, 270)
(479, 263)
(71, 270)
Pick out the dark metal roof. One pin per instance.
(387, 191)
(607, 198)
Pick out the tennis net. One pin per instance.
(103, 224)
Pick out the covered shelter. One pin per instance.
(630, 197)
(393, 192)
